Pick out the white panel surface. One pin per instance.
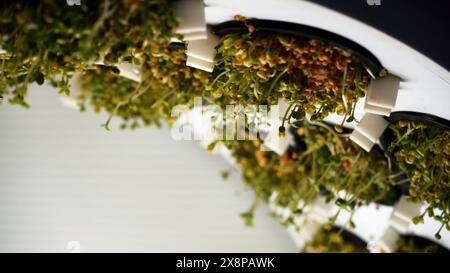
(67, 182)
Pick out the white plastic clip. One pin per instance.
(382, 95)
(203, 49)
(387, 243)
(200, 64)
(126, 70)
(369, 130)
(72, 99)
(191, 17)
(306, 232)
(402, 215)
(130, 71)
(200, 53)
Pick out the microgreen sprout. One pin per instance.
(423, 152)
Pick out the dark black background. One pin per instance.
(421, 24)
(301, 263)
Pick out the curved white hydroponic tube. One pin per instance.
(425, 86)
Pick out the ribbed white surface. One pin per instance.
(64, 178)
